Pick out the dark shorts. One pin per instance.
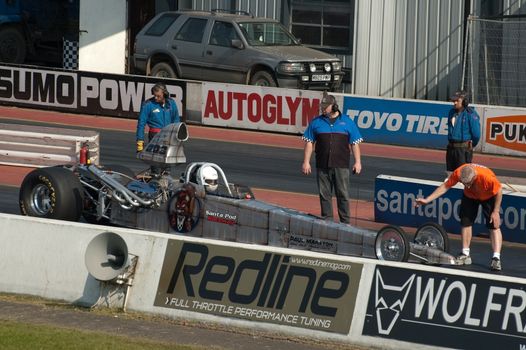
(456, 156)
(469, 209)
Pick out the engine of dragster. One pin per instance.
(158, 201)
(163, 151)
(166, 148)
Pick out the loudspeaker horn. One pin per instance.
(106, 256)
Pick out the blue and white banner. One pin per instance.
(397, 122)
(394, 203)
(445, 310)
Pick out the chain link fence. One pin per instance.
(494, 70)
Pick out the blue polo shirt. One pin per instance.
(332, 138)
(156, 115)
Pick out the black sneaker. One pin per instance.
(495, 264)
(463, 259)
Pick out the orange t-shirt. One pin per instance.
(485, 186)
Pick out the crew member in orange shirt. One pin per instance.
(481, 187)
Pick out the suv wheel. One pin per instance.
(263, 78)
(163, 70)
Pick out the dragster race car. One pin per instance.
(155, 200)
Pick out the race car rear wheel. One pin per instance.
(432, 235)
(54, 193)
(391, 244)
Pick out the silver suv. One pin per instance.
(231, 48)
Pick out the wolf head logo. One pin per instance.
(389, 302)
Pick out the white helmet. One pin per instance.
(209, 176)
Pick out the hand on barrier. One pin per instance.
(140, 146)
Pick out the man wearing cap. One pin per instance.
(481, 187)
(333, 137)
(156, 112)
(463, 132)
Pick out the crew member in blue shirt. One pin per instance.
(333, 137)
(463, 132)
(156, 112)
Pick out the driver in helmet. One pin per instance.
(210, 177)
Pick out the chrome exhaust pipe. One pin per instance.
(122, 194)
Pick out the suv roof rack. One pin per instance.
(232, 12)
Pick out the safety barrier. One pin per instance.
(38, 146)
(404, 122)
(293, 292)
(395, 198)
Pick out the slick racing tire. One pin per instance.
(391, 244)
(53, 193)
(432, 235)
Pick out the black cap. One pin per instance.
(461, 94)
(327, 100)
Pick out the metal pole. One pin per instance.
(486, 69)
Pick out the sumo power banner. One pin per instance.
(258, 107)
(505, 131)
(398, 122)
(81, 92)
(250, 284)
(446, 310)
(394, 201)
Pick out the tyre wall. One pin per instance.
(300, 293)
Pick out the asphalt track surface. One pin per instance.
(271, 165)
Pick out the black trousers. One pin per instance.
(336, 179)
(457, 155)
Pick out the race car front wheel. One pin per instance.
(54, 193)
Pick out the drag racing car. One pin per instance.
(202, 203)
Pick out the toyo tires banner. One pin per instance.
(399, 122)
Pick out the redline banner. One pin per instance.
(260, 108)
(505, 131)
(259, 285)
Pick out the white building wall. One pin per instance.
(102, 37)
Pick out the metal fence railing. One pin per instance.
(494, 71)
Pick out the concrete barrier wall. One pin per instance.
(300, 293)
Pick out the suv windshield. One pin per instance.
(266, 34)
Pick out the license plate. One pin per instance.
(321, 77)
